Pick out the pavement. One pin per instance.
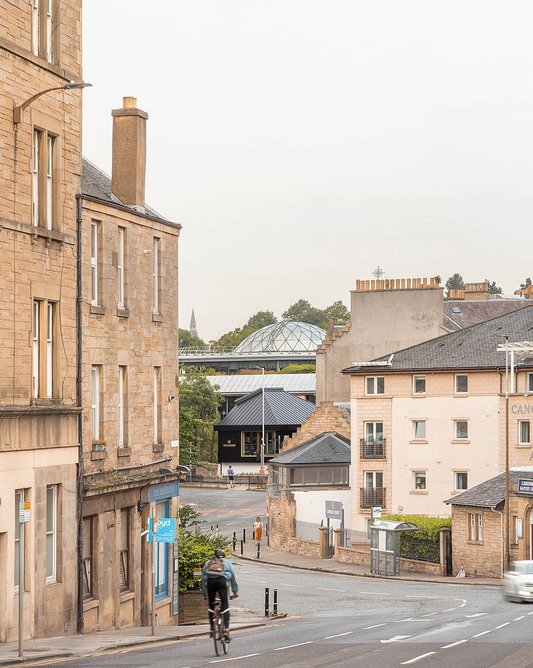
(77, 646)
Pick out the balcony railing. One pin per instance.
(373, 496)
(372, 449)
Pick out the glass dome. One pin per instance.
(287, 336)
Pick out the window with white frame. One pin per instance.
(44, 195)
(530, 382)
(419, 430)
(461, 430)
(20, 498)
(95, 262)
(88, 531)
(461, 480)
(122, 406)
(44, 348)
(43, 28)
(461, 383)
(475, 527)
(419, 384)
(96, 403)
(124, 556)
(157, 405)
(374, 432)
(121, 267)
(51, 533)
(524, 432)
(374, 385)
(419, 480)
(156, 275)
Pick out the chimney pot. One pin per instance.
(129, 102)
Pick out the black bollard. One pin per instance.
(244, 535)
(258, 550)
(267, 601)
(234, 543)
(242, 546)
(275, 607)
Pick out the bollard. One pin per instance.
(242, 545)
(267, 601)
(275, 608)
(253, 534)
(258, 550)
(234, 543)
(244, 535)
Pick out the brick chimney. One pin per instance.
(129, 153)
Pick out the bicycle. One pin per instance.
(219, 628)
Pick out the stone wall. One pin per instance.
(479, 559)
(326, 417)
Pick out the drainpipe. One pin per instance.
(79, 488)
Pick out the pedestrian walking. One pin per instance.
(231, 476)
(258, 529)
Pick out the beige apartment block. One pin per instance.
(130, 397)
(40, 166)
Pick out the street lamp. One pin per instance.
(262, 470)
(18, 109)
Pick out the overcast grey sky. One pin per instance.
(301, 143)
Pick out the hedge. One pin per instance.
(424, 544)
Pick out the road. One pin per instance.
(339, 620)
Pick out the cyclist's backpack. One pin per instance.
(215, 567)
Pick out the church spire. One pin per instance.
(192, 327)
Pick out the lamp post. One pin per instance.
(18, 109)
(262, 470)
(507, 560)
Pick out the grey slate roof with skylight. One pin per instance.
(472, 348)
(281, 408)
(490, 493)
(327, 448)
(460, 313)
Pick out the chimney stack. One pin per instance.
(129, 153)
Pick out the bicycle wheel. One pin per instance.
(217, 635)
(224, 642)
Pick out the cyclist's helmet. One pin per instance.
(219, 553)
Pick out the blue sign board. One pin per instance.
(525, 486)
(164, 530)
(163, 491)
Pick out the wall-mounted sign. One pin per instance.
(525, 486)
(334, 510)
(229, 444)
(163, 491)
(522, 409)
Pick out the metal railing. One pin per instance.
(372, 449)
(373, 496)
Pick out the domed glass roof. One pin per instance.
(286, 336)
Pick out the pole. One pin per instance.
(267, 601)
(263, 424)
(21, 578)
(154, 554)
(507, 482)
(275, 610)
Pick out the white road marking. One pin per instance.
(483, 633)
(339, 635)
(502, 625)
(453, 644)
(286, 584)
(374, 627)
(517, 619)
(279, 649)
(395, 639)
(449, 610)
(417, 658)
(477, 614)
(530, 613)
(428, 614)
(328, 589)
(374, 593)
(235, 658)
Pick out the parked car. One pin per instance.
(518, 582)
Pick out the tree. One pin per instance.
(198, 408)
(493, 288)
(455, 282)
(302, 311)
(525, 285)
(337, 314)
(188, 340)
(255, 322)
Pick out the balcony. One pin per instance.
(372, 449)
(373, 496)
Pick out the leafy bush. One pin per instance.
(424, 544)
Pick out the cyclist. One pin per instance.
(217, 574)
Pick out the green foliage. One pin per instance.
(187, 340)
(526, 284)
(255, 322)
(493, 288)
(336, 314)
(195, 549)
(455, 282)
(198, 409)
(298, 368)
(424, 544)
(189, 517)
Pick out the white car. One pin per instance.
(518, 582)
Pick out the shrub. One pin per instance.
(424, 544)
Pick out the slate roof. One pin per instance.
(97, 184)
(490, 493)
(459, 313)
(281, 409)
(327, 448)
(470, 348)
(296, 383)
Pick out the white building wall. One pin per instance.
(442, 454)
(311, 505)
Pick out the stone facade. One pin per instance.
(40, 163)
(326, 417)
(129, 389)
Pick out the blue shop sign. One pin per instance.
(163, 491)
